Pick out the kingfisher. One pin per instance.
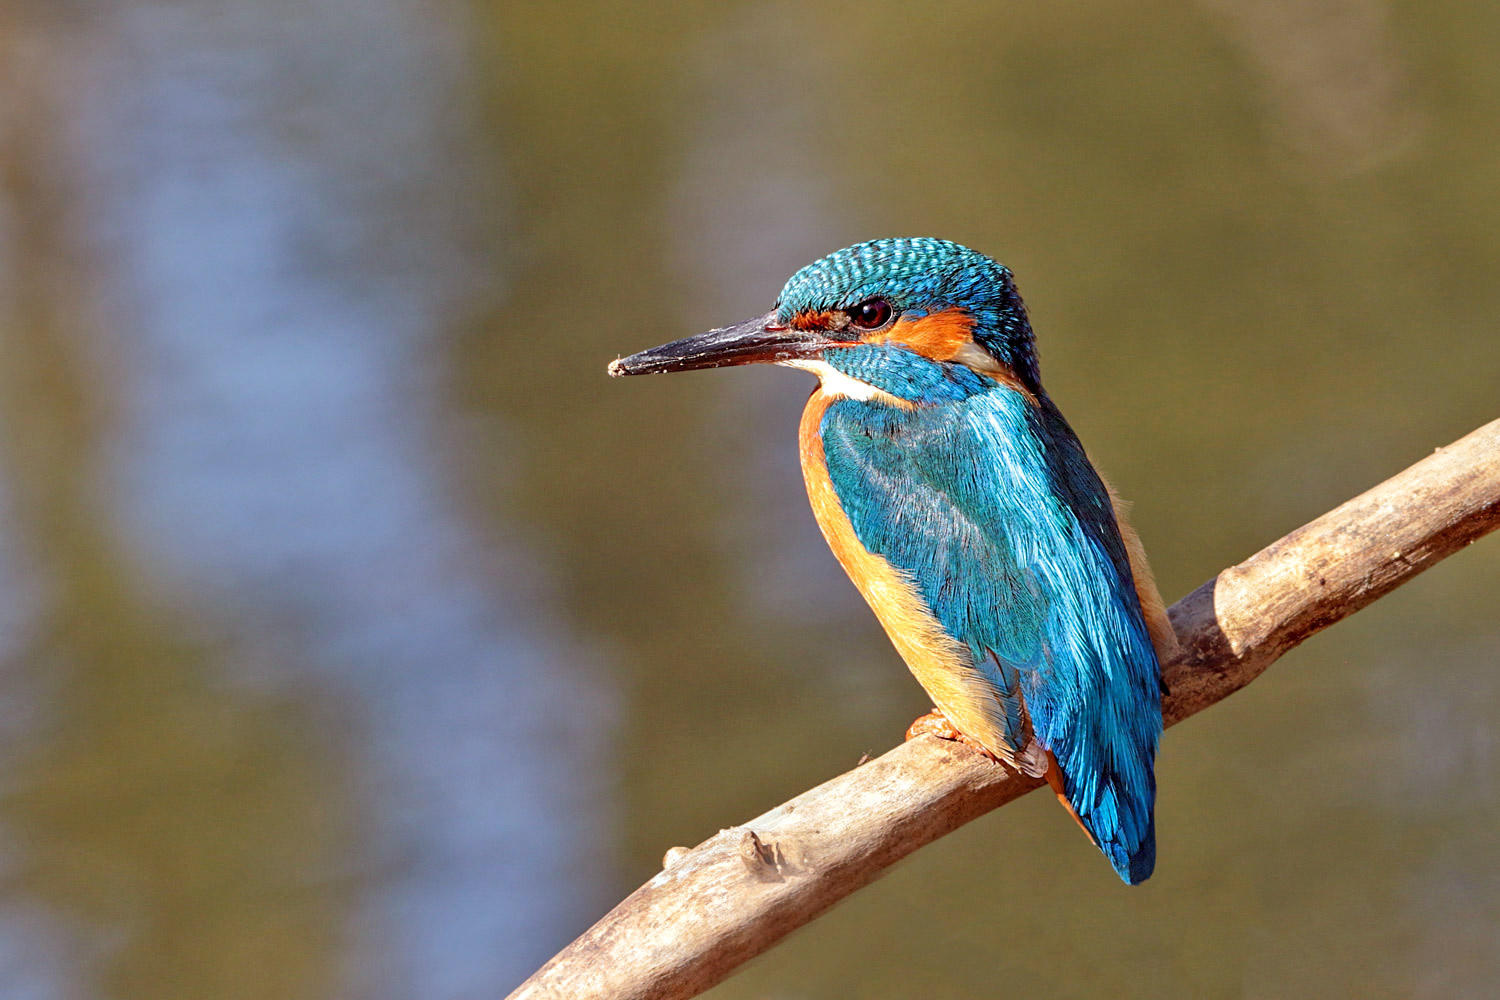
(964, 509)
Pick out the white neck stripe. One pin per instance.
(837, 384)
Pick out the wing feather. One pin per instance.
(990, 507)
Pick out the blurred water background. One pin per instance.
(360, 639)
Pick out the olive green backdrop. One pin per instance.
(359, 638)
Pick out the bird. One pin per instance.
(966, 512)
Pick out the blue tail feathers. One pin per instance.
(1134, 867)
(1127, 837)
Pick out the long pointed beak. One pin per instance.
(758, 340)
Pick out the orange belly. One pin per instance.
(940, 664)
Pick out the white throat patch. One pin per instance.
(835, 383)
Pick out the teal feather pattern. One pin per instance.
(917, 275)
(983, 497)
(991, 509)
(963, 507)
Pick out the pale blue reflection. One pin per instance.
(38, 956)
(740, 233)
(39, 951)
(283, 193)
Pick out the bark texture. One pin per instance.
(738, 893)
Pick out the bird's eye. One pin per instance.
(871, 314)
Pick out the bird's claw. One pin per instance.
(935, 723)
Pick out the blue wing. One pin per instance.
(993, 511)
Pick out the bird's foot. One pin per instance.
(935, 723)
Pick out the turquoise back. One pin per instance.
(986, 501)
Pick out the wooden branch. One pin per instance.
(741, 891)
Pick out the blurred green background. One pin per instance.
(359, 638)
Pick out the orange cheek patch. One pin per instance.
(948, 335)
(940, 335)
(811, 320)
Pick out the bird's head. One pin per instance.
(921, 320)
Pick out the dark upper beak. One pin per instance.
(760, 339)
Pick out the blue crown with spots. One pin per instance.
(921, 275)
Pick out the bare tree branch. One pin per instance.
(741, 891)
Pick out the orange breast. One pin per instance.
(939, 663)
